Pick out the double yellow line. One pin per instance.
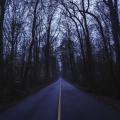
(59, 102)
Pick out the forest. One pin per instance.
(41, 40)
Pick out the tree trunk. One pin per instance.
(2, 10)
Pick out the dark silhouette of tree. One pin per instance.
(2, 13)
(40, 40)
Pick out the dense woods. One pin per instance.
(41, 40)
(27, 54)
(93, 44)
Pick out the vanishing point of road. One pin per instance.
(60, 101)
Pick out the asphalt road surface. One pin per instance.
(77, 105)
(41, 106)
(60, 101)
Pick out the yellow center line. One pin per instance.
(59, 103)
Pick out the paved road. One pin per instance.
(71, 103)
(41, 106)
(77, 105)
